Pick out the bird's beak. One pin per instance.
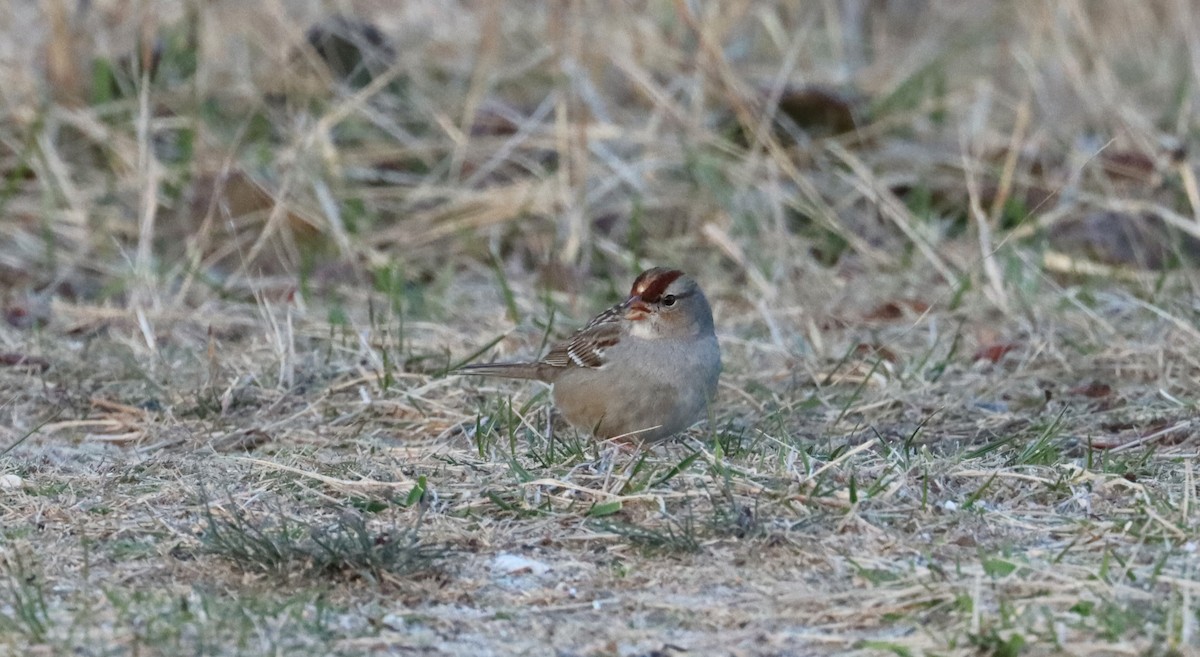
(636, 309)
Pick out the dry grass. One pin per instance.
(949, 245)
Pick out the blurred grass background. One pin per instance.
(203, 148)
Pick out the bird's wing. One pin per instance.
(586, 347)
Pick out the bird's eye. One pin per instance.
(668, 300)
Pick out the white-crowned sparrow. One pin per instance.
(644, 369)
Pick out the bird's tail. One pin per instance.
(508, 370)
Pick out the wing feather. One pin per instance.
(585, 348)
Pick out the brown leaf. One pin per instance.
(1094, 390)
(497, 118)
(27, 313)
(819, 109)
(13, 359)
(802, 112)
(886, 312)
(868, 351)
(994, 352)
(894, 310)
(1117, 238)
(1132, 166)
(355, 51)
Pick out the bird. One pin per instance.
(643, 370)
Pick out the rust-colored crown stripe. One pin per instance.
(653, 283)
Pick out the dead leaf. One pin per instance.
(1094, 390)
(819, 110)
(1117, 238)
(869, 351)
(1130, 166)
(994, 352)
(354, 50)
(27, 313)
(894, 310)
(13, 359)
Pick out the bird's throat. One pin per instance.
(641, 328)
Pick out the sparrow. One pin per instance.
(643, 370)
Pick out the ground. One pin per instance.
(950, 249)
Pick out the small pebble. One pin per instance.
(11, 481)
